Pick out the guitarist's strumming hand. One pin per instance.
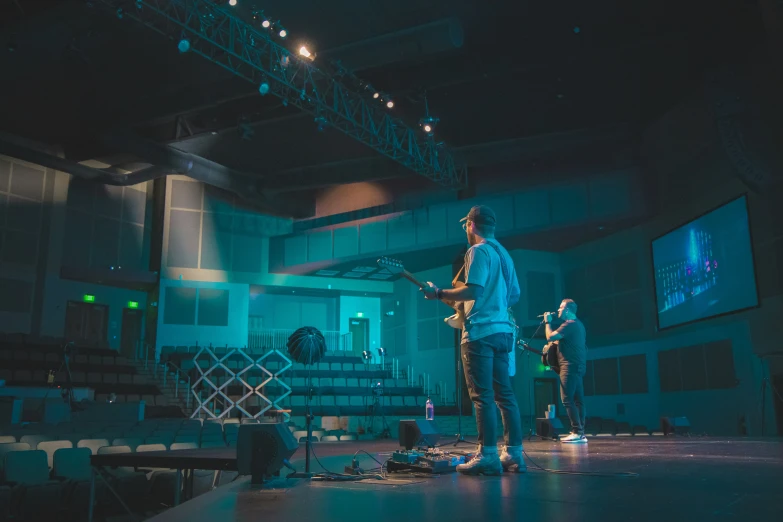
(430, 291)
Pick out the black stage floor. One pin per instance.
(688, 479)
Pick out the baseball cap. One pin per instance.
(481, 215)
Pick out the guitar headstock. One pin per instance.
(392, 265)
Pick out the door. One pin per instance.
(86, 323)
(360, 334)
(131, 332)
(545, 392)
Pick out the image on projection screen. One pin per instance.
(705, 268)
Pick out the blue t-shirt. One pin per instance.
(488, 314)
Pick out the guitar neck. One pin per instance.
(407, 275)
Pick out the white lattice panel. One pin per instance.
(238, 377)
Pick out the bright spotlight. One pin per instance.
(376, 95)
(184, 45)
(390, 104)
(306, 53)
(265, 24)
(283, 33)
(232, 3)
(263, 89)
(427, 128)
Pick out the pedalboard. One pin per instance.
(431, 461)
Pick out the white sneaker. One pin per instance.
(574, 438)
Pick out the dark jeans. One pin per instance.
(486, 371)
(572, 393)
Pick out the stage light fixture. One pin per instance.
(376, 95)
(265, 24)
(304, 52)
(382, 352)
(184, 45)
(281, 32)
(390, 104)
(428, 124)
(263, 88)
(232, 3)
(366, 355)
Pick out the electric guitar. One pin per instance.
(548, 354)
(397, 268)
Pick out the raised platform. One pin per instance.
(682, 479)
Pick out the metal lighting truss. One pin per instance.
(218, 35)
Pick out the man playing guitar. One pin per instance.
(572, 358)
(487, 338)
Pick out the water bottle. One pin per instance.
(430, 410)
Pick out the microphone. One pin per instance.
(544, 314)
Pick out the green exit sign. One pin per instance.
(133, 304)
(89, 298)
(359, 314)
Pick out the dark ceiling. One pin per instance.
(72, 72)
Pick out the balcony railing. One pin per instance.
(277, 339)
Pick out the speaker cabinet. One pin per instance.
(414, 433)
(262, 449)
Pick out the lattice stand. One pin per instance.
(252, 363)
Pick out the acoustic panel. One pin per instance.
(180, 306)
(77, 239)
(692, 361)
(106, 243)
(184, 230)
(23, 215)
(186, 194)
(213, 307)
(5, 174)
(633, 373)
(720, 365)
(606, 376)
(589, 382)
(20, 248)
(108, 201)
(132, 247)
(216, 241)
(134, 205)
(27, 182)
(669, 373)
(15, 296)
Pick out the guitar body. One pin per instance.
(548, 354)
(549, 357)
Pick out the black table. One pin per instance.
(218, 459)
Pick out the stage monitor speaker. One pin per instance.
(262, 449)
(675, 425)
(549, 428)
(414, 433)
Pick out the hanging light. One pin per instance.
(232, 3)
(184, 45)
(390, 104)
(304, 52)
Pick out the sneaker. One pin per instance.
(482, 464)
(574, 438)
(513, 463)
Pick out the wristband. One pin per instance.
(439, 293)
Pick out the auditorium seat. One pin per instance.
(7, 438)
(51, 446)
(92, 444)
(34, 496)
(34, 440)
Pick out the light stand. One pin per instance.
(307, 345)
